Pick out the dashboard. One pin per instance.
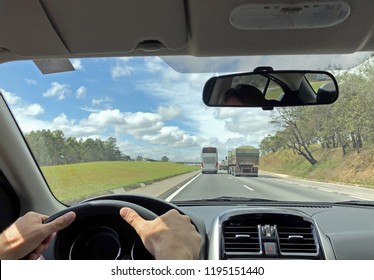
(229, 230)
(288, 231)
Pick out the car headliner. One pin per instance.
(33, 29)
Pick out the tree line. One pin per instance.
(53, 148)
(348, 123)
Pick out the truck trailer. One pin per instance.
(243, 161)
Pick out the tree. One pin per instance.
(270, 144)
(165, 159)
(295, 133)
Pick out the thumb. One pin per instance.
(61, 222)
(133, 218)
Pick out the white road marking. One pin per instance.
(361, 198)
(327, 191)
(181, 188)
(249, 188)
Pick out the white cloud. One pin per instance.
(98, 104)
(33, 110)
(104, 118)
(60, 91)
(62, 119)
(89, 109)
(154, 64)
(81, 92)
(30, 82)
(173, 136)
(20, 107)
(77, 64)
(141, 124)
(145, 126)
(10, 98)
(121, 69)
(170, 112)
(25, 113)
(251, 123)
(99, 101)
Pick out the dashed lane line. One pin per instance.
(249, 188)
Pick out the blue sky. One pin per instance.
(151, 109)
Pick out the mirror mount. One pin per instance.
(263, 69)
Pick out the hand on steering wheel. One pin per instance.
(95, 232)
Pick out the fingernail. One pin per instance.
(69, 217)
(123, 212)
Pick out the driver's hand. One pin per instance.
(28, 236)
(170, 236)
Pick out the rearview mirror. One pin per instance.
(269, 89)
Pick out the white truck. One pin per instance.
(209, 160)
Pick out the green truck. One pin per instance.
(243, 161)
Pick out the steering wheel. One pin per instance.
(97, 233)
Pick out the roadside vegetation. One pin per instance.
(353, 168)
(78, 181)
(54, 148)
(313, 138)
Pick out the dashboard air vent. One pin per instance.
(297, 239)
(240, 238)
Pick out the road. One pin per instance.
(266, 186)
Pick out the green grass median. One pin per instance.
(77, 181)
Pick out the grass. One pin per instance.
(274, 93)
(77, 181)
(317, 85)
(332, 166)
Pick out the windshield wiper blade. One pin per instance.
(356, 202)
(232, 199)
(240, 198)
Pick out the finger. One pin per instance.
(133, 218)
(61, 222)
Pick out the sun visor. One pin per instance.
(110, 26)
(50, 66)
(30, 33)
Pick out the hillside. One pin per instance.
(331, 167)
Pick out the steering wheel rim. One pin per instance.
(87, 209)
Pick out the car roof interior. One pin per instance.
(79, 28)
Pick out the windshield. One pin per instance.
(137, 126)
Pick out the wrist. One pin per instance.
(4, 248)
(173, 253)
